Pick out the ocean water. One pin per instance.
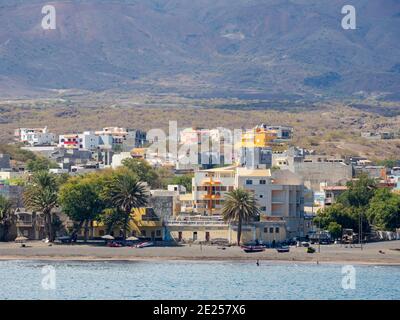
(192, 280)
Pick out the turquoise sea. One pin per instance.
(192, 280)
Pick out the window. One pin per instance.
(249, 181)
(261, 196)
(263, 208)
(271, 230)
(158, 233)
(143, 233)
(101, 233)
(277, 230)
(263, 181)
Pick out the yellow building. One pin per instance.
(258, 138)
(145, 224)
(261, 137)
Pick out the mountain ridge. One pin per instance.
(201, 48)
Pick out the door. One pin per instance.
(194, 236)
(207, 236)
(153, 235)
(180, 236)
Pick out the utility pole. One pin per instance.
(319, 237)
(360, 232)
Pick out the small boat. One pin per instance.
(252, 249)
(144, 244)
(283, 249)
(114, 245)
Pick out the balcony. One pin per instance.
(277, 200)
(212, 196)
(208, 182)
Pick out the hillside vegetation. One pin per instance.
(331, 128)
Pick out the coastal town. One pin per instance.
(113, 188)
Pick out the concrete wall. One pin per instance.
(314, 173)
(260, 231)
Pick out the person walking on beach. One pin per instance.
(258, 263)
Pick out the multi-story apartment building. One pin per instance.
(209, 188)
(279, 194)
(86, 140)
(35, 136)
(119, 139)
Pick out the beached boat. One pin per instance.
(283, 249)
(252, 249)
(145, 244)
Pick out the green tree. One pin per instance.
(239, 206)
(335, 229)
(384, 210)
(113, 218)
(5, 217)
(184, 180)
(359, 192)
(164, 177)
(125, 192)
(80, 199)
(41, 195)
(388, 163)
(338, 213)
(40, 164)
(142, 170)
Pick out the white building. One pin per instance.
(35, 136)
(117, 159)
(87, 140)
(179, 189)
(279, 195)
(121, 139)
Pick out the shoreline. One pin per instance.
(378, 254)
(195, 259)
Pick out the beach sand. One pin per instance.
(381, 253)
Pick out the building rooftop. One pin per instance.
(222, 169)
(335, 188)
(253, 172)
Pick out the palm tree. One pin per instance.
(126, 193)
(41, 195)
(239, 206)
(5, 217)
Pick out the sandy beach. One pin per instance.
(381, 253)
